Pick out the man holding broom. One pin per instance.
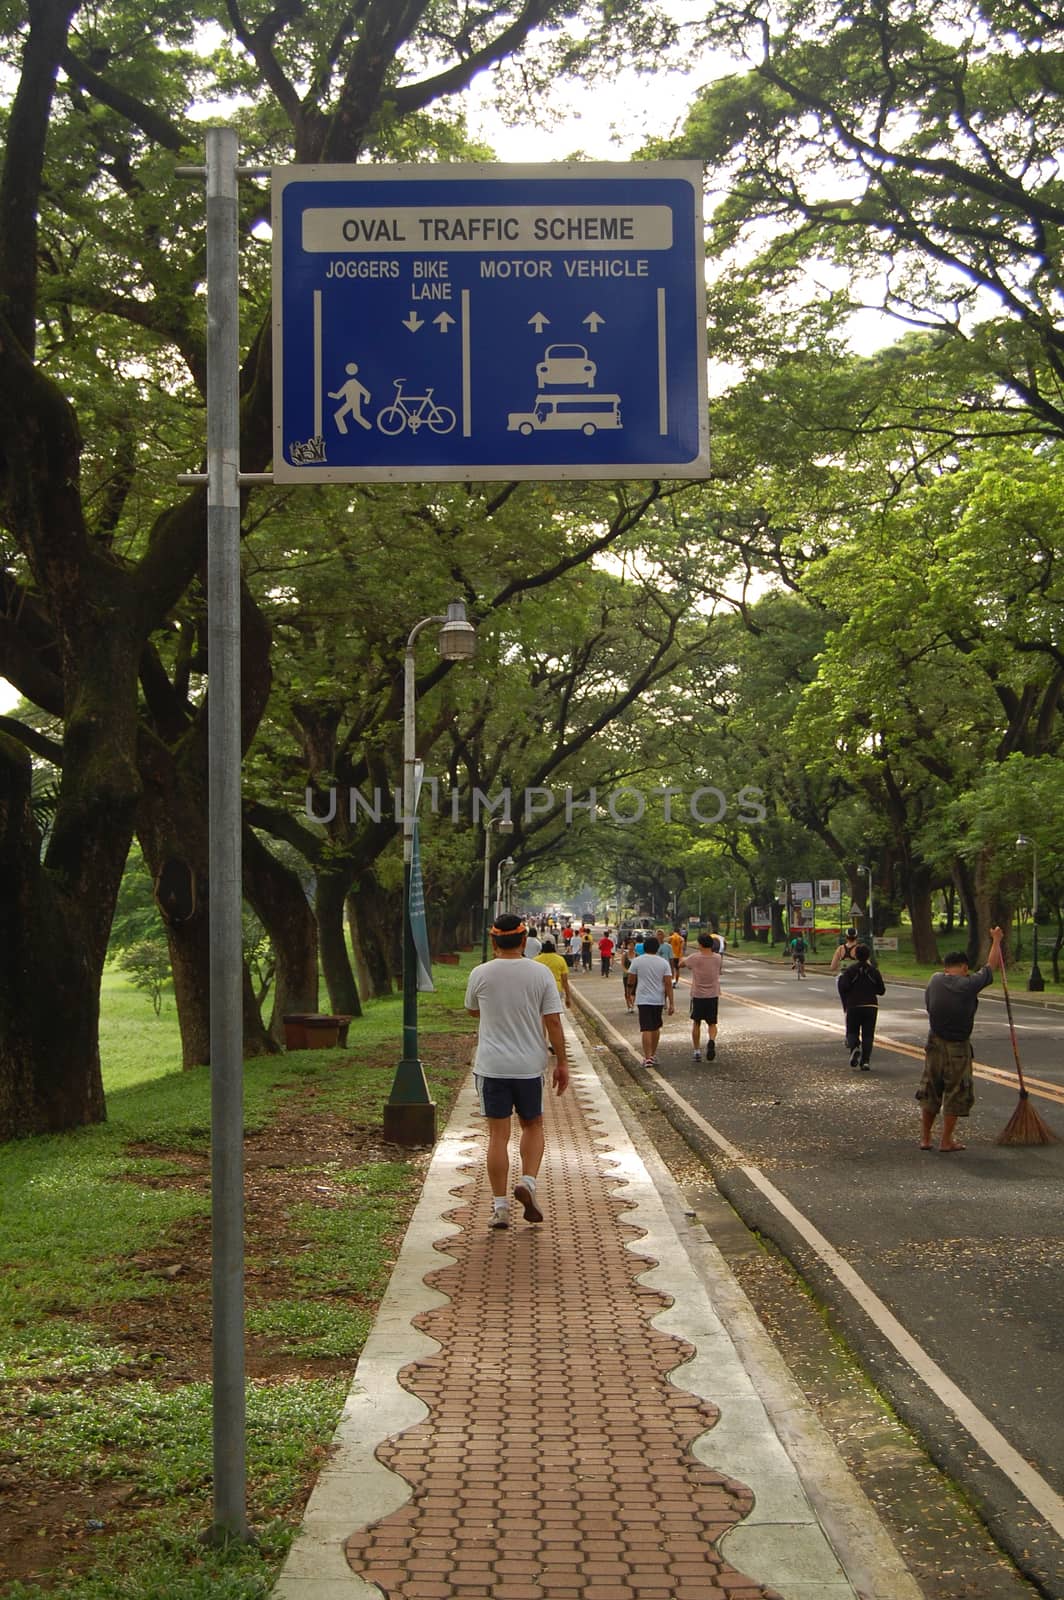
(951, 999)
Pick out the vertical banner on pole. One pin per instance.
(418, 925)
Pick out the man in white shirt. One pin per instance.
(653, 991)
(533, 946)
(514, 1000)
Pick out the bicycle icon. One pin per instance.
(414, 411)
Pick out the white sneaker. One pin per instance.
(500, 1217)
(697, 1056)
(527, 1197)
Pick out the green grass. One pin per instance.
(75, 1208)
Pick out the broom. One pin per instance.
(1025, 1126)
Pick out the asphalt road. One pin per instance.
(946, 1272)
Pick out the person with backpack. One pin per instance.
(797, 948)
(860, 986)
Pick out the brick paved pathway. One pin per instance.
(555, 1460)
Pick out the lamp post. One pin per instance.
(1035, 983)
(409, 1113)
(504, 825)
(871, 912)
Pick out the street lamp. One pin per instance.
(782, 908)
(409, 1113)
(871, 911)
(503, 880)
(504, 825)
(1036, 983)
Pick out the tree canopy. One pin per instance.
(857, 616)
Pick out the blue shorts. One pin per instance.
(501, 1097)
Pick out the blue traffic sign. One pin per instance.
(460, 322)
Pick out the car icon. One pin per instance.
(566, 363)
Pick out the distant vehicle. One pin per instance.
(586, 412)
(566, 363)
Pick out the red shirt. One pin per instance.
(605, 947)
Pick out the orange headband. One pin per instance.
(506, 933)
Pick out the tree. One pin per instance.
(148, 965)
(907, 151)
(101, 379)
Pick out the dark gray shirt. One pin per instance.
(952, 999)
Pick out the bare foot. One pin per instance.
(927, 1147)
(949, 1149)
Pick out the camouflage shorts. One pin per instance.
(947, 1081)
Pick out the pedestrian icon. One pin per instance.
(354, 395)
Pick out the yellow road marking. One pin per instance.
(1037, 1086)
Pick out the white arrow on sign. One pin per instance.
(413, 322)
(443, 321)
(594, 321)
(539, 321)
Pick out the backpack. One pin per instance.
(861, 987)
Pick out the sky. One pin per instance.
(607, 123)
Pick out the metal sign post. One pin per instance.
(225, 896)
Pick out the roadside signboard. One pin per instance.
(829, 891)
(489, 322)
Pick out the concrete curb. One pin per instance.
(780, 1448)
(354, 1489)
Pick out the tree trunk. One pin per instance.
(51, 959)
(191, 967)
(172, 826)
(966, 892)
(992, 909)
(370, 914)
(918, 895)
(336, 967)
(278, 899)
(453, 926)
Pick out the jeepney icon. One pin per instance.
(583, 413)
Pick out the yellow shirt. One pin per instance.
(677, 941)
(555, 965)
